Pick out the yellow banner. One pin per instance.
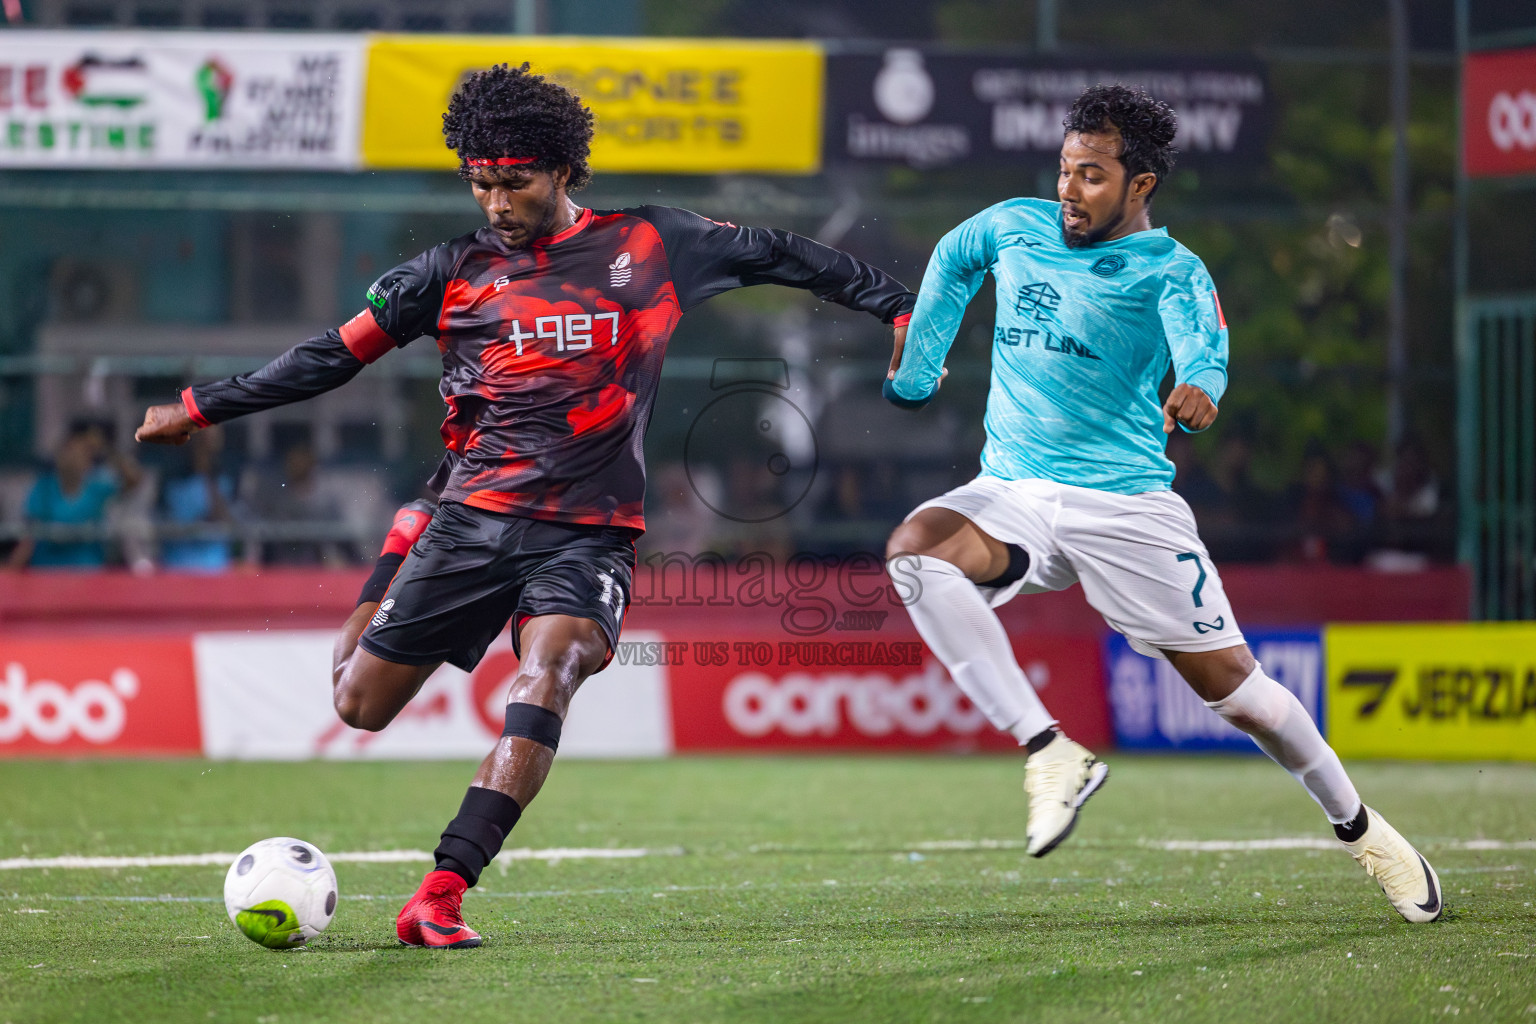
(1453, 691)
(662, 105)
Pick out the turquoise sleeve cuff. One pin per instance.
(888, 389)
(1210, 380)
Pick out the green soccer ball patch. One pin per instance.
(273, 924)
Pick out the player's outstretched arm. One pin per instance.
(310, 368)
(709, 257)
(955, 271)
(402, 306)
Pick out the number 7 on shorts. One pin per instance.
(1200, 582)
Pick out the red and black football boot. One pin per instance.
(412, 518)
(432, 917)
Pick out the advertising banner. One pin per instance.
(267, 696)
(875, 693)
(163, 99)
(1433, 691)
(1499, 113)
(662, 105)
(931, 108)
(97, 695)
(1154, 708)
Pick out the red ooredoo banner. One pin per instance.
(787, 695)
(1499, 112)
(98, 695)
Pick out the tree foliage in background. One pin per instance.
(1306, 286)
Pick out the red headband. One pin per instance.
(501, 161)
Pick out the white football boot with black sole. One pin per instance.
(1402, 872)
(1058, 780)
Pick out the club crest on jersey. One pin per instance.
(1108, 266)
(619, 271)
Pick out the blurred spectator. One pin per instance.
(754, 502)
(1416, 523)
(298, 498)
(1190, 480)
(202, 493)
(680, 521)
(1316, 516)
(862, 490)
(1360, 497)
(1239, 526)
(88, 473)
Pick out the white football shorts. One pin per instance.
(1138, 556)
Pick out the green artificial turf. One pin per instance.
(826, 889)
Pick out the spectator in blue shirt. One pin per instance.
(202, 494)
(87, 474)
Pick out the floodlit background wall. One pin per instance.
(186, 189)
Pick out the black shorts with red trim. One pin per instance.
(472, 571)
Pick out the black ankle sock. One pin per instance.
(383, 572)
(472, 840)
(1352, 830)
(1018, 565)
(1038, 741)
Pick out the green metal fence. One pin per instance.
(1496, 421)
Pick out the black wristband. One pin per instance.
(383, 572)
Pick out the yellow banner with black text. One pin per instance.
(662, 105)
(1451, 691)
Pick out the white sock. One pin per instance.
(1281, 727)
(965, 635)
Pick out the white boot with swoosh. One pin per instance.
(1402, 872)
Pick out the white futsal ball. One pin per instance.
(280, 892)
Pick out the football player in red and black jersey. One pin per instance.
(552, 321)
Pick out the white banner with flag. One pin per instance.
(160, 99)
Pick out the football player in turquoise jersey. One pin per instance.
(1094, 307)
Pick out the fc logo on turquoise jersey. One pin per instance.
(1108, 266)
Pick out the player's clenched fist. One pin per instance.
(1190, 406)
(165, 424)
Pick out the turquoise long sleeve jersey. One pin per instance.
(1083, 339)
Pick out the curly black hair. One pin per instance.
(506, 111)
(1146, 126)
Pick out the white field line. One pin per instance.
(655, 892)
(1213, 845)
(554, 855)
(1316, 843)
(192, 860)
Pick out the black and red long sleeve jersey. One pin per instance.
(552, 354)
